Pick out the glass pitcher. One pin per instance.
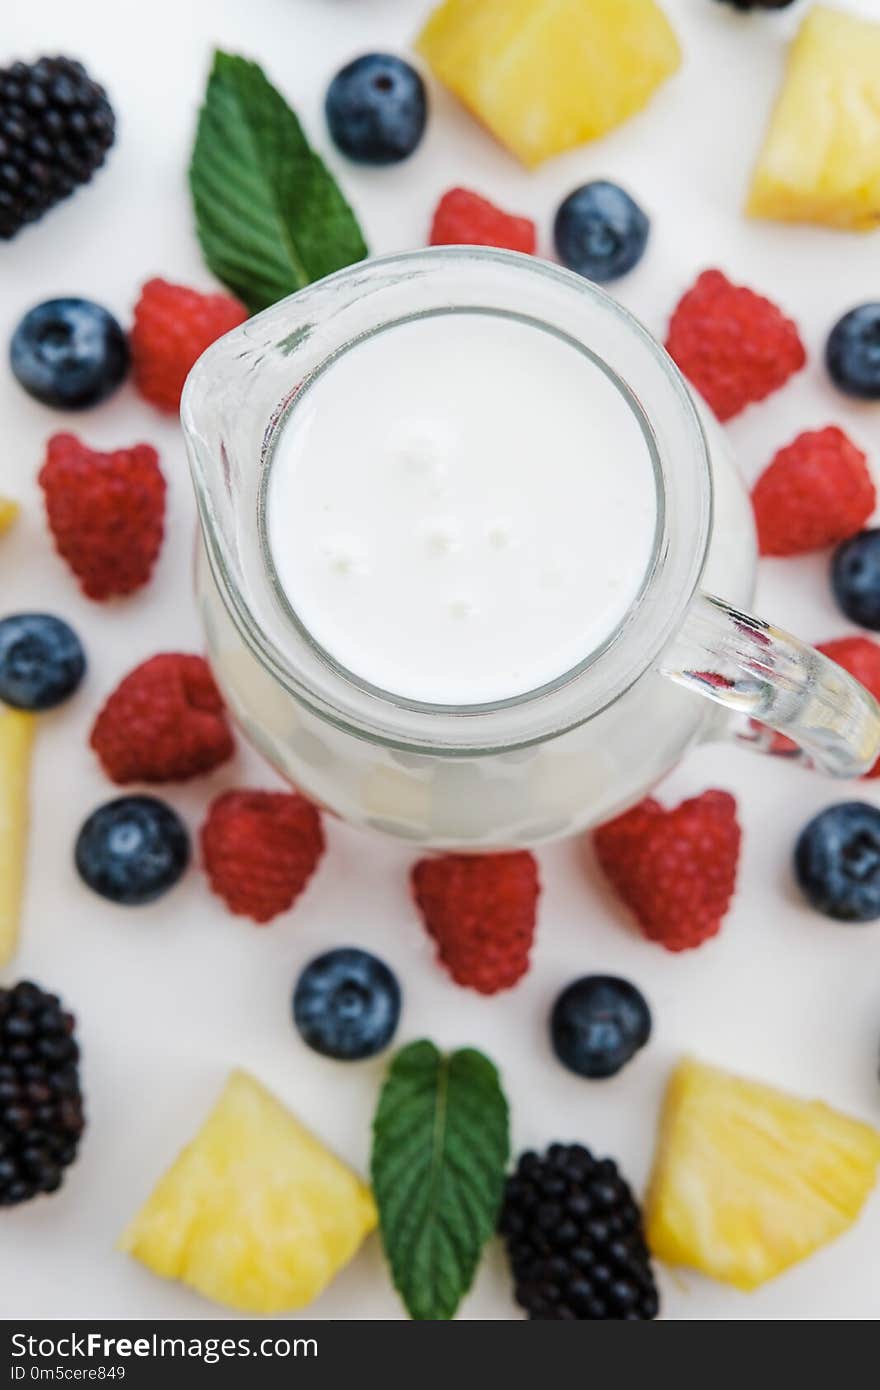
(687, 663)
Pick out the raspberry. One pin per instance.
(732, 344)
(260, 849)
(480, 909)
(172, 327)
(164, 722)
(861, 658)
(106, 512)
(815, 492)
(773, 742)
(463, 218)
(675, 870)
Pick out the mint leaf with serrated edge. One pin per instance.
(269, 215)
(440, 1149)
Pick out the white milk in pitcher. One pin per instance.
(462, 508)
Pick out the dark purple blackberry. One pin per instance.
(574, 1238)
(56, 126)
(759, 4)
(41, 1105)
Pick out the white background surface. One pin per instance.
(169, 997)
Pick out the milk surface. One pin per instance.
(461, 508)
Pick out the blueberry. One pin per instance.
(346, 1004)
(69, 353)
(41, 661)
(132, 850)
(855, 578)
(597, 1024)
(852, 353)
(600, 231)
(837, 862)
(376, 109)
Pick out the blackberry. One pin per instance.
(56, 126)
(574, 1239)
(758, 4)
(41, 1105)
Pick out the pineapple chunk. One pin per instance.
(545, 75)
(821, 156)
(8, 513)
(16, 740)
(255, 1213)
(748, 1180)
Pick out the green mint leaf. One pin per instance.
(440, 1148)
(270, 217)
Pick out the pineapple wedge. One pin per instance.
(545, 75)
(748, 1180)
(8, 513)
(821, 156)
(16, 740)
(255, 1213)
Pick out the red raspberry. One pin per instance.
(260, 849)
(106, 512)
(675, 870)
(463, 218)
(164, 722)
(172, 327)
(861, 658)
(480, 910)
(734, 345)
(777, 744)
(814, 493)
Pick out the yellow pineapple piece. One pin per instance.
(821, 156)
(8, 513)
(16, 740)
(748, 1180)
(545, 75)
(255, 1213)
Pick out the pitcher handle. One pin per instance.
(777, 685)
